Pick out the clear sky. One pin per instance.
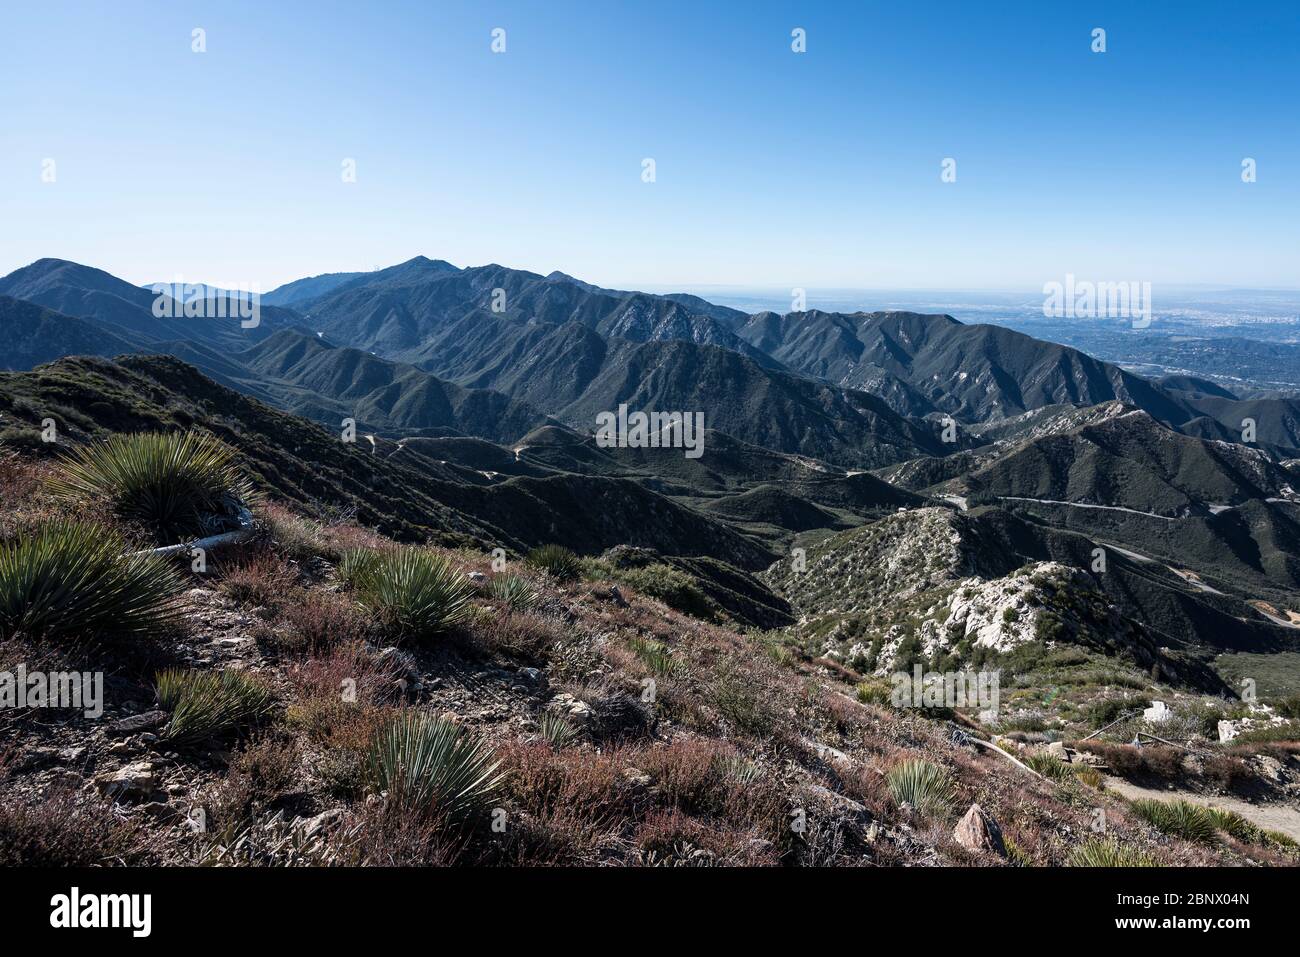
(772, 167)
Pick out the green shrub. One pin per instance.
(672, 586)
(557, 561)
(430, 764)
(875, 691)
(1103, 711)
(1107, 852)
(163, 481)
(416, 593)
(68, 578)
(1089, 776)
(515, 591)
(207, 704)
(736, 702)
(1179, 818)
(925, 786)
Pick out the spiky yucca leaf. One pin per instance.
(417, 593)
(556, 730)
(1107, 852)
(656, 656)
(1049, 766)
(1230, 822)
(357, 565)
(163, 480)
(1180, 818)
(431, 764)
(926, 786)
(70, 578)
(516, 591)
(206, 704)
(557, 561)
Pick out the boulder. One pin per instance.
(133, 782)
(138, 722)
(1158, 713)
(978, 831)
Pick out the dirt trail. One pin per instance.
(1275, 817)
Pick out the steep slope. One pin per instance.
(1131, 461)
(127, 310)
(573, 373)
(31, 335)
(327, 383)
(304, 290)
(402, 495)
(400, 311)
(904, 588)
(930, 363)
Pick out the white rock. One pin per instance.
(1158, 713)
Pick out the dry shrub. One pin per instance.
(844, 714)
(1158, 762)
(518, 635)
(307, 537)
(318, 621)
(589, 785)
(20, 480)
(344, 537)
(1281, 751)
(352, 669)
(261, 773)
(342, 700)
(573, 802)
(295, 535)
(66, 829)
(395, 834)
(1227, 772)
(258, 577)
(671, 838)
(692, 773)
(868, 787)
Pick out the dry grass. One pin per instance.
(67, 829)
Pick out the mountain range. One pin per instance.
(475, 393)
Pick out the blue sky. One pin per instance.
(772, 168)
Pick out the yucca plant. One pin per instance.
(925, 786)
(70, 578)
(166, 481)
(207, 704)
(1230, 822)
(430, 764)
(357, 565)
(738, 769)
(557, 561)
(1090, 777)
(656, 656)
(417, 593)
(516, 591)
(556, 730)
(1180, 818)
(1049, 766)
(1107, 852)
